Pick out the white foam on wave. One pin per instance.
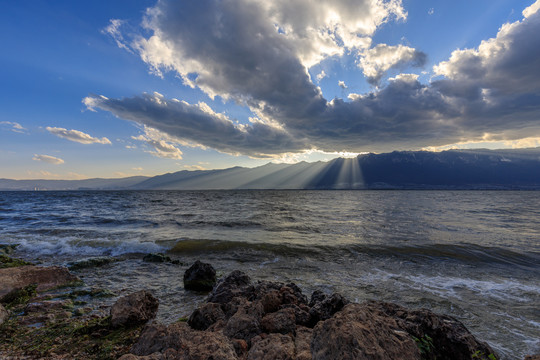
(67, 246)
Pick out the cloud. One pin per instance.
(48, 159)
(15, 127)
(342, 84)
(431, 11)
(77, 136)
(258, 55)
(321, 75)
(377, 61)
(161, 143)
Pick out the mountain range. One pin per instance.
(452, 169)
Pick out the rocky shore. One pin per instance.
(42, 316)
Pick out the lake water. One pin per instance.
(474, 255)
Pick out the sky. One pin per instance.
(144, 87)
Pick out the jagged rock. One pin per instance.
(532, 357)
(323, 306)
(45, 277)
(179, 341)
(246, 322)
(134, 309)
(205, 316)
(200, 277)
(3, 314)
(301, 313)
(354, 333)
(272, 347)
(91, 262)
(282, 321)
(236, 284)
(447, 338)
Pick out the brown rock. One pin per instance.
(134, 309)
(450, 338)
(236, 284)
(272, 347)
(205, 316)
(355, 333)
(532, 357)
(45, 277)
(3, 314)
(179, 341)
(242, 326)
(283, 321)
(302, 343)
(323, 306)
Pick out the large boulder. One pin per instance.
(440, 337)
(44, 277)
(200, 277)
(272, 347)
(179, 341)
(355, 334)
(134, 309)
(236, 284)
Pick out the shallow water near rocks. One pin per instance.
(474, 255)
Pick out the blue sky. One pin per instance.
(119, 88)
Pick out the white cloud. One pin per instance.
(258, 54)
(533, 9)
(431, 11)
(137, 168)
(194, 167)
(160, 143)
(321, 75)
(77, 136)
(377, 61)
(15, 127)
(48, 159)
(342, 84)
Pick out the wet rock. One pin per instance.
(325, 306)
(156, 257)
(282, 321)
(236, 284)
(200, 277)
(134, 309)
(4, 315)
(441, 336)
(272, 347)
(9, 262)
(179, 341)
(48, 306)
(45, 277)
(355, 333)
(205, 316)
(7, 249)
(91, 262)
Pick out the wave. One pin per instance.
(465, 253)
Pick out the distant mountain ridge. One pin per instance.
(452, 169)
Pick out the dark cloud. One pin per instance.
(233, 49)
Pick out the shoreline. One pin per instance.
(83, 317)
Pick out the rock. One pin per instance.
(325, 306)
(9, 262)
(179, 341)
(205, 316)
(282, 321)
(444, 336)
(157, 258)
(91, 262)
(236, 284)
(272, 347)
(200, 277)
(355, 333)
(4, 315)
(134, 309)
(45, 277)
(532, 357)
(6, 249)
(245, 323)
(302, 343)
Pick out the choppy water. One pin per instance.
(471, 254)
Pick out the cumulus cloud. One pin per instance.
(15, 127)
(77, 136)
(342, 84)
(377, 61)
(258, 54)
(321, 75)
(48, 159)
